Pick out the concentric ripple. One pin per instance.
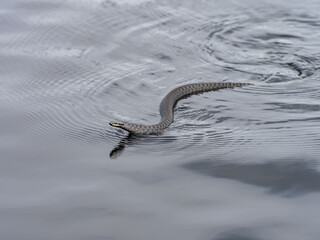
(267, 47)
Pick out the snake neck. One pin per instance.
(147, 129)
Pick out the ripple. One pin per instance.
(263, 46)
(92, 62)
(67, 68)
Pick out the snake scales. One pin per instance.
(168, 103)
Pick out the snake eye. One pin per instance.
(116, 124)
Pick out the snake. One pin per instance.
(168, 104)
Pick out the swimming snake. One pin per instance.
(169, 102)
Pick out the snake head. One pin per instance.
(117, 124)
(121, 125)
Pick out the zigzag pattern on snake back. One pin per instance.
(168, 103)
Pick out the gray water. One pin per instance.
(237, 164)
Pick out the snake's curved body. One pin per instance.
(168, 103)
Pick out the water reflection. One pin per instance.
(69, 68)
(119, 148)
(289, 178)
(135, 138)
(238, 234)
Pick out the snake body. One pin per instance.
(168, 103)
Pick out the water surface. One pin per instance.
(236, 164)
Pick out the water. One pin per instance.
(236, 164)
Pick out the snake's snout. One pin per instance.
(116, 124)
